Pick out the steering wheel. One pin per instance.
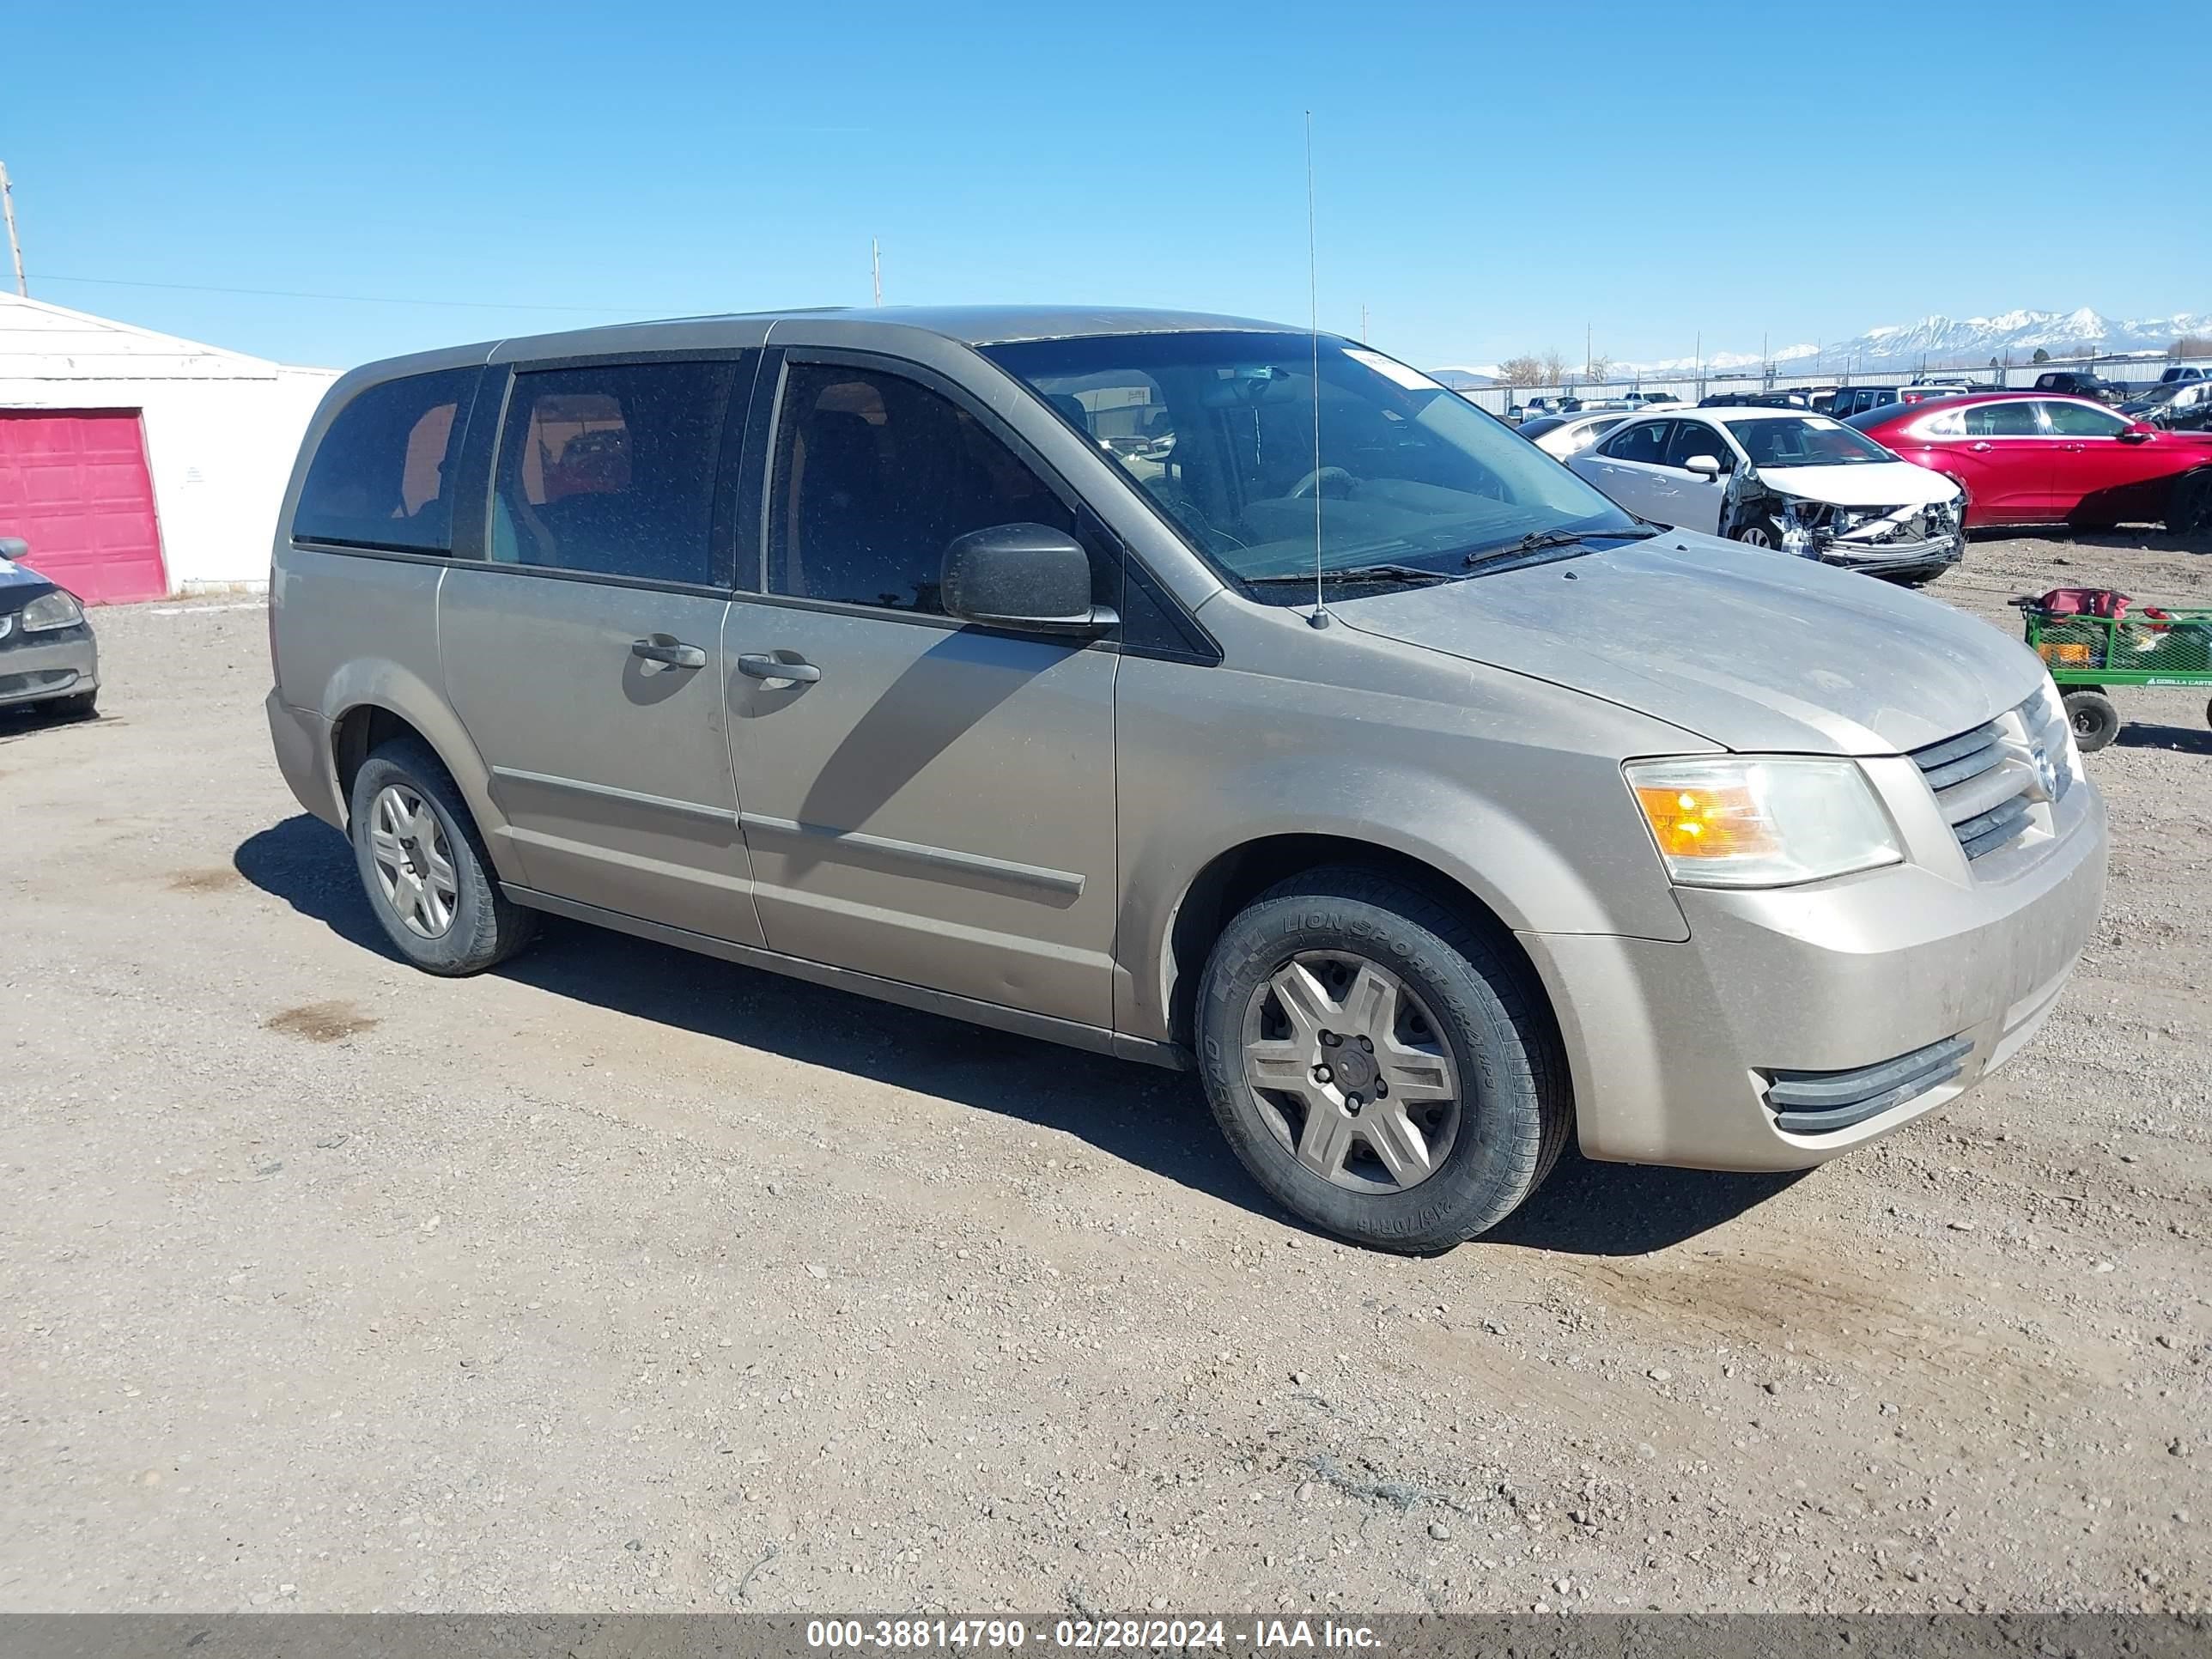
(1320, 475)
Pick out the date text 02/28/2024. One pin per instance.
(1004, 1635)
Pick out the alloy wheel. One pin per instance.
(1352, 1071)
(413, 864)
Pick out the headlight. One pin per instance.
(54, 609)
(2047, 719)
(1753, 821)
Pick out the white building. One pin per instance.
(137, 465)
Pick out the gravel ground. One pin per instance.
(626, 1280)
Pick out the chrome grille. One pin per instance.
(1985, 789)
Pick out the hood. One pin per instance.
(1874, 484)
(20, 585)
(1750, 648)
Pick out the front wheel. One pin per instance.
(424, 867)
(1377, 1065)
(1761, 532)
(2094, 716)
(2190, 509)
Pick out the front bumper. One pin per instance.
(59, 662)
(1673, 1048)
(1936, 552)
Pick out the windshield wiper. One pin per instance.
(1360, 573)
(1536, 540)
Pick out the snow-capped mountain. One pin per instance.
(1971, 342)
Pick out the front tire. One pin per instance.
(1379, 1066)
(2095, 718)
(424, 867)
(2191, 505)
(1761, 532)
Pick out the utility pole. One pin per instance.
(15, 247)
(1363, 322)
(1589, 362)
(876, 267)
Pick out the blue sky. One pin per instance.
(1490, 178)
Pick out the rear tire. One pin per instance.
(2095, 718)
(1482, 1106)
(424, 867)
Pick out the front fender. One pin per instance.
(1528, 814)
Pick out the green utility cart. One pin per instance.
(2088, 654)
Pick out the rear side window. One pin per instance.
(610, 470)
(383, 476)
(2015, 420)
(1644, 441)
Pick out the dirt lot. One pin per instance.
(623, 1278)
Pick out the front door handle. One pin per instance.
(663, 649)
(761, 667)
(1977, 448)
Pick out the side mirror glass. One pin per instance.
(13, 548)
(1707, 467)
(1026, 576)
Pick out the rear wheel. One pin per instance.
(2094, 716)
(424, 867)
(1377, 1065)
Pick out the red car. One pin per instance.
(2028, 458)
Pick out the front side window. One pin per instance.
(2081, 421)
(610, 470)
(2013, 420)
(1696, 438)
(875, 474)
(1407, 472)
(1809, 441)
(383, 474)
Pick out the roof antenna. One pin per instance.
(1320, 617)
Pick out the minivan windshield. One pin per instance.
(1814, 442)
(1217, 428)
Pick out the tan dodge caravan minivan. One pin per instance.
(1186, 690)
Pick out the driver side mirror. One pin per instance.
(1707, 467)
(2137, 431)
(14, 547)
(1025, 576)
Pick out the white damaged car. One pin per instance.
(1782, 478)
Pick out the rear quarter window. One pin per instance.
(383, 474)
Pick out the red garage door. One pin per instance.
(73, 483)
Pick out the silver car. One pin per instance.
(1347, 748)
(48, 656)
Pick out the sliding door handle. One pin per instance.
(673, 652)
(762, 667)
